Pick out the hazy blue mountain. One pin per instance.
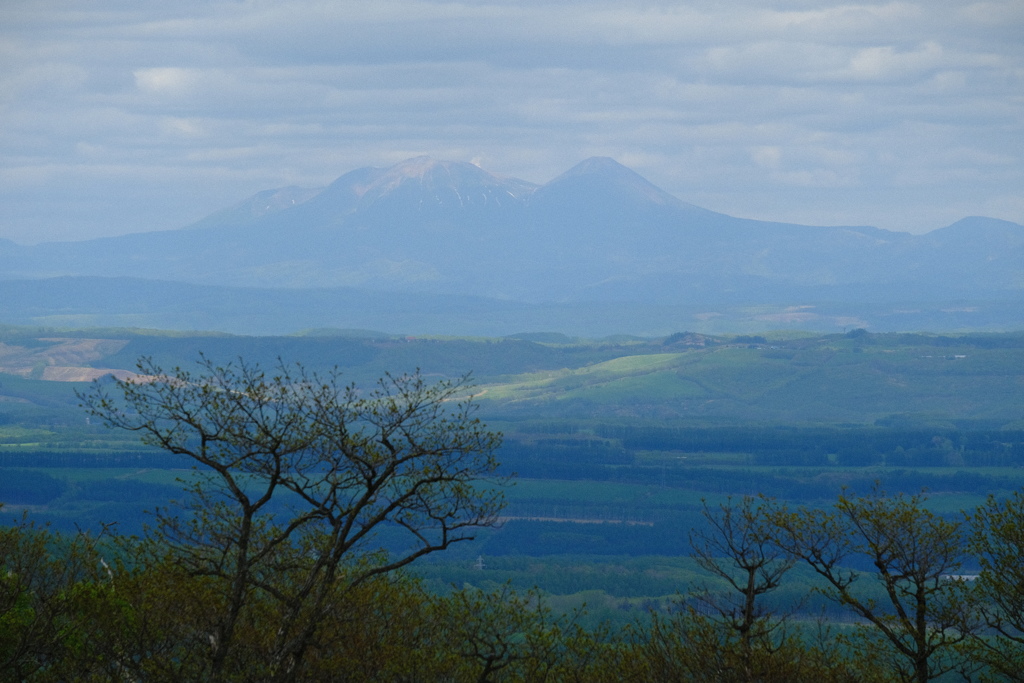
(260, 204)
(597, 233)
(443, 191)
(83, 302)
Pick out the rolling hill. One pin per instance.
(856, 377)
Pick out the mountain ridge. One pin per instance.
(599, 232)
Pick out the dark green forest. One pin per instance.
(656, 509)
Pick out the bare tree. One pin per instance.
(726, 631)
(916, 605)
(736, 547)
(296, 475)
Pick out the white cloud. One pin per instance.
(886, 63)
(164, 80)
(747, 107)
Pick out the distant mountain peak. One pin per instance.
(982, 223)
(280, 199)
(432, 185)
(432, 172)
(598, 165)
(597, 233)
(999, 235)
(417, 167)
(600, 180)
(261, 204)
(423, 164)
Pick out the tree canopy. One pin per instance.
(297, 476)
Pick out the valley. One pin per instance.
(615, 449)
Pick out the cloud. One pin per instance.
(165, 80)
(902, 114)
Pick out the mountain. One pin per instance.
(439, 190)
(600, 186)
(121, 302)
(260, 204)
(598, 233)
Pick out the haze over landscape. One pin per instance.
(291, 291)
(441, 247)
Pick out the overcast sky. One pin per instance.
(128, 116)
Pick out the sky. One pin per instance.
(121, 116)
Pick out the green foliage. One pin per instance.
(628, 481)
(507, 636)
(925, 616)
(835, 378)
(74, 609)
(736, 547)
(998, 544)
(296, 475)
(691, 646)
(39, 575)
(727, 631)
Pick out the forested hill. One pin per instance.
(856, 377)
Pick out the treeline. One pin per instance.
(800, 485)
(846, 447)
(1013, 340)
(924, 598)
(93, 459)
(635, 526)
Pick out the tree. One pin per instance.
(736, 548)
(297, 475)
(998, 543)
(143, 623)
(918, 608)
(686, 647)
(40, 572)
(725, 631)
(505, 635)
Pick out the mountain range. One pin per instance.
(599, 249)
